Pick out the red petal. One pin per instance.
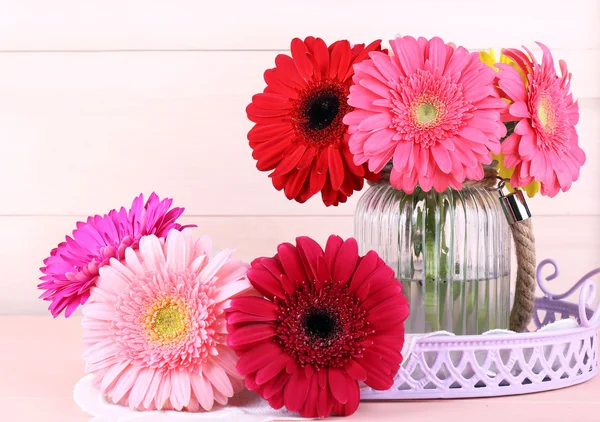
(356, 371)
(288, 285)
(352, 404)
(289, 73)
(250, 333)
(310, 252)
(254, 306)
(307, 158)
(271, 101)
(323, 273)
(309, 410)
(302, 62)
(276, 385)
(278, 85)
(321, 55)
(240, 317)
(297, 179)
(334, 243)
(336, 167)
(345, 262)
(340, 59)
(291, 262)
(276, 402)
(364, 53)
(290, 161)
(317, 180)
(378, 375)
(338, 384)
(322, 162)
(324, 402)
(258, 357)
(322, 375)
(380, 296)
(253, 111)
(296, 390)
(262, 132)
(272, 369)
(266, 283)
(366, 266)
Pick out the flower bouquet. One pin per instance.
(170, 325)
(433, 127)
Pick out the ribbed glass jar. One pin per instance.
(450, 250)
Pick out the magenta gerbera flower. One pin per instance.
(430, 107)
(72, 267)
(155, 329)
(544, 145)
(328, 320)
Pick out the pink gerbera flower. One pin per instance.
(328, 320)
(72, 267)
(155, 329)
(430, 107)
(544, 145)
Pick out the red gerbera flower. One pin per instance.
(299, 132)
(328, 319)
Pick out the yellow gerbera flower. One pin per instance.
(489, 58)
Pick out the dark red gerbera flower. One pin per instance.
(328, 319)
(299, 132)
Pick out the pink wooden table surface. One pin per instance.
(40, 363)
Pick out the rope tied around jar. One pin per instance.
(524, 241)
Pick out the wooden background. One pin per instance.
(101, 100)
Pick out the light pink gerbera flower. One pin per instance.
(430, 107)
(72, 267)
(155, 329)
(544, 145)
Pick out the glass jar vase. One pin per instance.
(450, 250)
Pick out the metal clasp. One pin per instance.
(514, 204)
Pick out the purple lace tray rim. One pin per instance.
(507, 364)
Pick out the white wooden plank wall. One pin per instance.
(101, 100)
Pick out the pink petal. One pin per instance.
(141, 386)
(375, 122)
(180, 390)
(519, 109)
(442, 157)
(203, 391)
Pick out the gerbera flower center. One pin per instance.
(319, 323)
(549, 116)
(165, 320)
(545, 113)
(428, 108)
(322, 326)
(426, 113)
(322, 110)
(168, 322)
(318, 113)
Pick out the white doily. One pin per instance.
(245, 406)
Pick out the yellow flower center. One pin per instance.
(168, 322)
(426, 112)
(545, 113)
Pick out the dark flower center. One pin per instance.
(319, 323)
(322, 110)
(319, 112)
